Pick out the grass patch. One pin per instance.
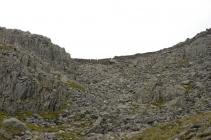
(74, 128)
(50, 115)
(68, 136)
(22, 115)
(168, 130)
(58, 129)
(38, 128)
(159, 103)
(3, 116)
(135, 108)
(75, 85)
(6, 47)
(188, 88)
(184, 62)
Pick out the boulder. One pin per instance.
(12, 127)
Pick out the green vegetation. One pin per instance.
(159, 103)
(75, 85)
(3, 116)
(188, 87)
(12, 130)
(6, 47)
(135, 108)
(22, 115)
(68, 136)
(55, 115)
(68, 131)
(167, 130)
(50, 115)
(61, 130)
(184, 62)
(38, 128)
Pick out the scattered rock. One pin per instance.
(108, 97)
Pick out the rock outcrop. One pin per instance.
(12, 127)
(102, 99)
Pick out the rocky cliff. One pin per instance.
(159, 95)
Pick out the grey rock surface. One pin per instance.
(108, 97)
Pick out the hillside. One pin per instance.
(156, 96)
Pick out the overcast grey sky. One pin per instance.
(107, 28)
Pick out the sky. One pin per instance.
(95, 29)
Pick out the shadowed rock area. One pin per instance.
(151, 96)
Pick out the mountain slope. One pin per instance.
(102, 99)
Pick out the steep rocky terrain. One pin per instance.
(159, 95)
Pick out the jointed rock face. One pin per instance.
(125, 97)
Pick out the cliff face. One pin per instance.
(30, 70)
(114, 96)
